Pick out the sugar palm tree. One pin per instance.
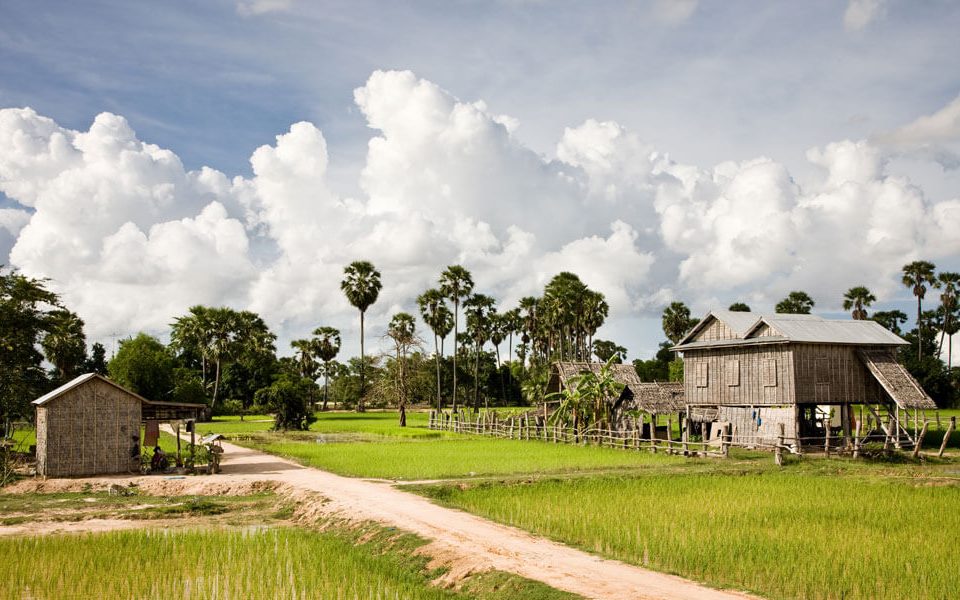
(456, 284)
(917, 276)
(948, 301)
(361, 285)
(858, 298)
(326, 342)
(676, 321)
(65, 344)
(433, 309)
(478, 308)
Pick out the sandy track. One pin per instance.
(463, 542)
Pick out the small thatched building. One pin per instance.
(758, 372)
(651, 398)
(91, 426)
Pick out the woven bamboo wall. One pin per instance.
(91, 429)
(745, 376)
(833, 374)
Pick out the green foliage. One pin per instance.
(65, 345)
(24, 306)
(797, 303)
(677, 321)
(891, 319)
(187, 387)
(585, 401)
(98, 360)
(858, 299)
(289, 400)
(657, 368)
(739, 307)
(145, 366)
(676, 370)
(606, 350)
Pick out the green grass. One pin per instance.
(785, 534)
(247, 563)
(464, 456)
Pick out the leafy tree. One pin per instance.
(586, 400)
(247, 374)
(739, 307)
(361, 285)
(479, 309)
(145, 366)
(65, 345)
(657, 368)
(187, 387)
(326, 342)
(607, 351)
(891, 319)
(434, 311)
(402, 330)
(98, 359)
(288, 399)
(917, 276)
(456, 283)
(677, 321)
(24, 303)
(796, 303)
(858, 298)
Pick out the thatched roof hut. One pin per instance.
(654, 398)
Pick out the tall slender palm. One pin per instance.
(190, 334)
(528, 306)
(326, 343)
(433, 309)
(858, 298)
(950, 282)
(361, 285)
(596, 311)
(456, 283)
(917, 276)
(478, 308)
(402, 330)
(511, 325)
(498, 331)
(676, 321)
(305, 358)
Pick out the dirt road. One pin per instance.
(463, 542)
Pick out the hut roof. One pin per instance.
(811, 329)
(651, 397)
(895, 379)
(82, 379)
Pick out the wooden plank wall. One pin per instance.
(833, 374)
(91, 429)
(751, 390)
(715, 330)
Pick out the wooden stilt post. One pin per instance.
(946, 436)
(845, 418)
(685, 437)
(725, 440)
(179, 459)
(826, 436)
(778, 451)
(856, 440)
(919, 440)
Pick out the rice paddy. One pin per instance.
(781, 534)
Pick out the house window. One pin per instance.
(702, 372)
(770, 372)
(733, 372)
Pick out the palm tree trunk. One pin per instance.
(362, 361)
(919, 330)
(503, 387)
(456, 319)
(436, 356)
(476, 381)
(216, 385)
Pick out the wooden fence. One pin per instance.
(638, 436)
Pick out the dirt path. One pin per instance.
(463, 542)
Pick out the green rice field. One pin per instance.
(782, 534)
(254, 562)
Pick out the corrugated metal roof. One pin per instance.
(739, 322)
(830, 331)
(64, 388)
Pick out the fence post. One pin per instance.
(946, 436)
(670, 435)
(826, 437)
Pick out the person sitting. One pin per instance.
(159, 462)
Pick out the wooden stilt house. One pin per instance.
(809, 377)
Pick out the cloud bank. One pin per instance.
(131, 238)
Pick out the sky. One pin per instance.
(240, 153)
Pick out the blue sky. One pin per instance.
(703, 83)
